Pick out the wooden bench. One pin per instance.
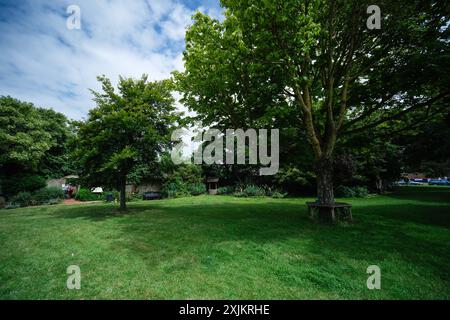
(337, 211)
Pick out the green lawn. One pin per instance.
(218, 247)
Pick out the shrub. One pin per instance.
(44, 195)
(87, 195)
(175, 189)
(254, 191)
(249, 191)
(361, 192)
(239, 194)
(344, 192)
(279, 195)
(196, 189)
(225, 190)
(134, 196)
(349, 192)
(295, 181)
(22, 199)
(22, 183)
(11, 206)
(274, 192)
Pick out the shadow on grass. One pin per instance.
(157, 230)
(440, 194)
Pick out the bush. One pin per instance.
(87, 195)
(11, 206)
(225, 190)
(22, 199)
(134, 196)
(249, 191)
(344, 192)
(196, 189)
(44, 195)
(175, 189)
(351, 192)
(239, 194)
(254, 191)
(361, 192)
(279, 195)
(23, 183)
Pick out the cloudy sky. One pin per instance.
(44, 62)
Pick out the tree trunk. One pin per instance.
(123, 204)
(324, 172)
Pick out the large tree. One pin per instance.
(33, 144)
(317, 60)
(124, 134)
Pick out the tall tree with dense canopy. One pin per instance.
(318, 60)
(125, 132)
(33, 144)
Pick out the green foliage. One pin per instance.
(23, 199)
(225, 190)
(279, 195)
(134, 196)
(11, 206)
(87, 195)
(186, 172)
(49, 195)
(175, 189)
(239, 194)
(295, 180)
(254, 191)
(315, 65)
(126, 132)
(249, 191)
(45, 195)
(32, 139)
(178, 188)
(22, 182)
(351, 192)
(196, 189)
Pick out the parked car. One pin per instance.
(439, 182)
(151, 195)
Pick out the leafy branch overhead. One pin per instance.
(318, 61)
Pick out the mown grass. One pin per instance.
(219, 247)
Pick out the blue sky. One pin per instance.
(43, 62)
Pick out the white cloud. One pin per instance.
(43, 62)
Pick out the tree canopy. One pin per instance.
(32, 139)
(125, 132)
(317, 61)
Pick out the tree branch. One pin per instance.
(398, 115)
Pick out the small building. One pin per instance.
(213, 185)
(61, 182)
